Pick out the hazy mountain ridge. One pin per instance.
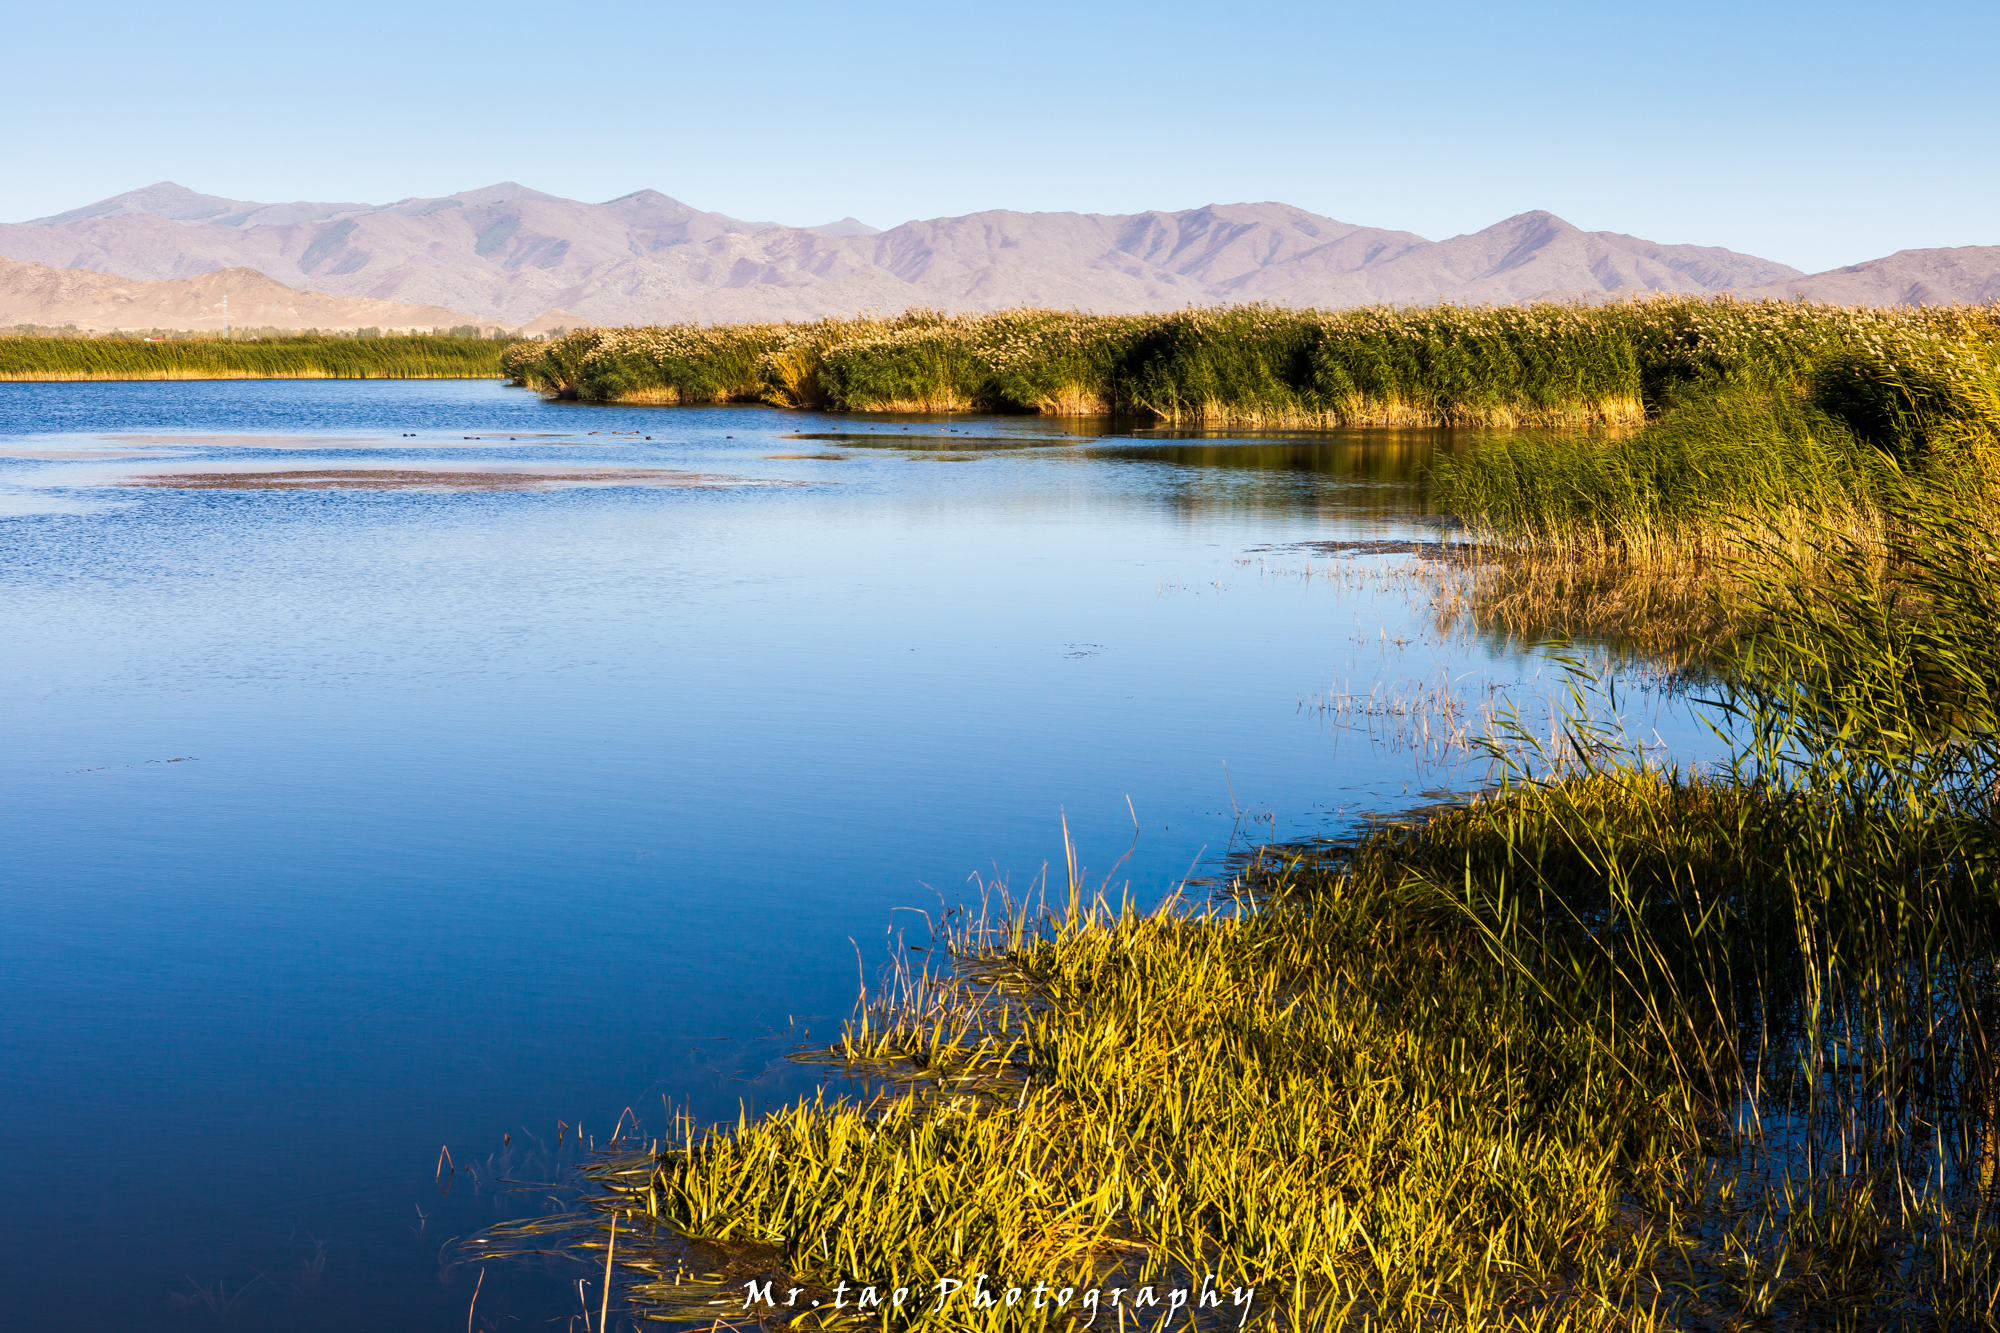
(1965, 273)
(38, 294)
(511, 254)
(179, 204)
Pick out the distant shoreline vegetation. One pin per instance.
(37, 354)
(1544, 364)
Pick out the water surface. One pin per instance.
(346, 828)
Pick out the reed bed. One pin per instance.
(399, 357)
(1543, 365)
(1659, 537)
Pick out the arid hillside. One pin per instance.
(38, 294)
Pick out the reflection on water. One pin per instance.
(1327, 474)
(1385, 456)
(1384, 471)
(1381, 455)
(924, 443)
(368, 847)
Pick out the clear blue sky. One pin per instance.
(1816, 135)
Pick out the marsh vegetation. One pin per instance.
(1660, 535)
(458, 355)
(1611, 1044)
(1549, 365)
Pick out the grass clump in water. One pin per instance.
(1683, 478)
(1654, 539)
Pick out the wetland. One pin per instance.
(1530, 867)
(500, 813)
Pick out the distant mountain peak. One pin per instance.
(1534, 222)
(506, 192)
(647, 196)
(162, 199)
(177, 203)
(848, 226)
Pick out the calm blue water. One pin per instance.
(343, 828)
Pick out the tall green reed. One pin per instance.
(1631, 534)
(1544, 364)
(1701, 468)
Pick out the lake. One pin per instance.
(366, 845)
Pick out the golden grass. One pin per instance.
(1361, 411)
(1487, 1072)
(665, 395)
(1073, 400)
(943, 401)
(1678, 595)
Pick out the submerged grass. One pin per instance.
(1609, 1047)
(399, 357)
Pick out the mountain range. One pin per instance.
(508, 254)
